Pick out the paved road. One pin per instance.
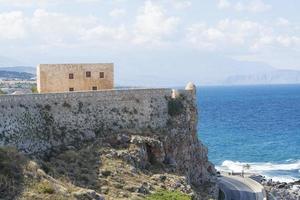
(237, 188)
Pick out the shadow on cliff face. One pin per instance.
(11, 173)
(84, 165)
(77, 166)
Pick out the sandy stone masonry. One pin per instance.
(40, 124)
(74, 77)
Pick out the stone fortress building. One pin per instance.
(39, 124)
(74, 77)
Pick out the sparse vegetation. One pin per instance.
(21, 178)
(45, 188)
(34, 89)
(75, 166)
(66, 105)
(175, 107)
(168, 195)
(11, 168)
(113, 172)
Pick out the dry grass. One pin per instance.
(11, 172)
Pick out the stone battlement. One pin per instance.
(36, 123)
(99, 94)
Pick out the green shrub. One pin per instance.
(45, 188)
(175, 107)
(11, 162)
(168, 195)
(66, 105)
(11, 172)
(34, 89)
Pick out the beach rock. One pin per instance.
(286, 191)
(84, 194)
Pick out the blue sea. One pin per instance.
(257, 125)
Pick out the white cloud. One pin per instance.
(29, 3)
(282, 22)
(238, 35)
(89, 1)
(287, 41)
(204, 37)
(57, 28)
(102, 33)
(241, 6)
(45, 28)
(253, 6)
(12, 25)
(117, 12)
(21, 3)
(222, 4)
(153, 24)
(54, 27)
(181, 4)
(225, 34)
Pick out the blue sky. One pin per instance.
(55, 31)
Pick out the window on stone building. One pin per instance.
(88, 74)
(71, 76)
(101, 74)
(71, 89)
(94, 88)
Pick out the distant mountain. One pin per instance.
(273, 77)
(159, 68)
(168, 68)
(177, 67)
(16, 75)
(14, 65)
(31, 70)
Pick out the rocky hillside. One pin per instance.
(16, 75)
(121, 167)
(167, 161)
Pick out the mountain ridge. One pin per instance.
(273, 77)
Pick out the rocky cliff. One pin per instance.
(148, 145)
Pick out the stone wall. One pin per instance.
(40, 123)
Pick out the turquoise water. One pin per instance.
(258, 125)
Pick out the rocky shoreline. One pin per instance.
(287, 191)
(279, 190)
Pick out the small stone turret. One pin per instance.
(190, 86)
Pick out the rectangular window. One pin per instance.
(71, 76)
(94, 87)
(88, 74)
(71, 89)
(101, 74)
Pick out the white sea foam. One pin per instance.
(286, 179)
(283, 172)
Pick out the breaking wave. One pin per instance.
(288, 171)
